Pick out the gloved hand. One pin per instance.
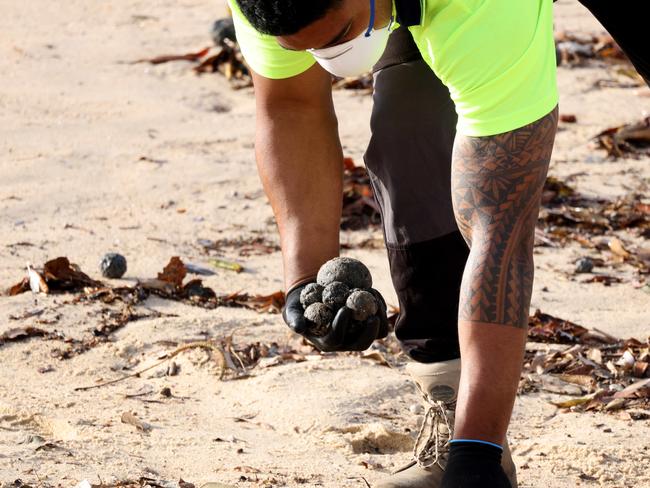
(346, 334)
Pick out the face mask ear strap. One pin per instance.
(371, 24)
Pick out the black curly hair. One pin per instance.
(284, 17)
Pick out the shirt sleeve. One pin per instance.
(263, 53)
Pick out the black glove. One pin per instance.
(346, 334)
(474, 465)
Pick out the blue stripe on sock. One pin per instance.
(474, 441)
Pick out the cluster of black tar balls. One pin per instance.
(341, 282)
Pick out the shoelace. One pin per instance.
(432, 441)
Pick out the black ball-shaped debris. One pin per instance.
(320, 315)
(335, 294)
(113, 265)
(362, 303)
(350, 271)
(312, 293)
(584, 265)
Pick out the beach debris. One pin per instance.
(18, 334)
(198, 270)
(349, 271)
(612, 374)
(36, 281)
(567, 216)
(244, 246)
(335, 294)
(360, 211)
(576, 49)
(225, 58)
(113, 265)
(311, 293)
(344, 287)
(321, 315)
(362, 303)
(272, 303)
(568, 118)
(57, 275)
(215, 350)
(132, 419)
(584, 265)
(628, 140)
(166, 58)
(229, 265)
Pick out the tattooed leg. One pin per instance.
(497, 183)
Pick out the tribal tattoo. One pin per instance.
(497, 184)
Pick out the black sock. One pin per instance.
(474, 464)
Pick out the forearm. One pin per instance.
(299, 160)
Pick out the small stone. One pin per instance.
(312, 293)
(113, 265)
(166, 392)
(362, 303)
(321, 315)
(335, 294)
(350, 271)
(584, 265)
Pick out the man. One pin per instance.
(463, 124)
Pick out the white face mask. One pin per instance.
(358, 55)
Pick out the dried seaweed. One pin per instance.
(604, 373)
(225, 59)
(568, 216)
(360, 211)
(57, 275)
(577, 49)
(628, 140)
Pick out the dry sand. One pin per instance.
(76, 122)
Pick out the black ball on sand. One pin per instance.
(113, 265)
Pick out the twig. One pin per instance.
(192, 345)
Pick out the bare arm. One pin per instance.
(299, 160)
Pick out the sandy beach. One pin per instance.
(98, 154)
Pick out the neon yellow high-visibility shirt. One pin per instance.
(497, 57)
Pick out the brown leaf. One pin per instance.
(174, 272)
(626, 140)
(21, 287)
(61, 275)
(360, 211)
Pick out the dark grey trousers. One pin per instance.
(409, 160)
